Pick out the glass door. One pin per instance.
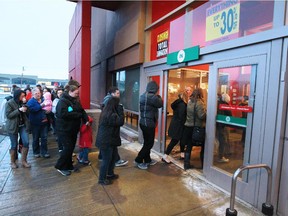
(181, 83)
(235, 107)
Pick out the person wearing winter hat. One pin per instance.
(150, 102)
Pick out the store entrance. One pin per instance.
(182, 80)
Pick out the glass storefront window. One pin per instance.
(233, 112)
(218, 21)
(180, 80)
(128, 83)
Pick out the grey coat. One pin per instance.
(200, 114)
(12, 113)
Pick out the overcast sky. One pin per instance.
(34, 34)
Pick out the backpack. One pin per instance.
(2, 111)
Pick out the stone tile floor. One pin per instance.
(161, 190)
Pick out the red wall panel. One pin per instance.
(80, 50)
(161, 8)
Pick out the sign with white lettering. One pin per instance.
(247, 109)
(222, 21)
(162, 44)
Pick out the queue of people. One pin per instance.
(189, 112)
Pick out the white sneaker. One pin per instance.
(166, 159)
(223, 160)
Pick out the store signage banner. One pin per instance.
(162, 44)
(222, 21)
(247, 109)
(183, 55)
(230, 120)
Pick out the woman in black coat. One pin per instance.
(108, 139)
(176, 127)
(69, 113)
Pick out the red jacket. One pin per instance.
(86, 135)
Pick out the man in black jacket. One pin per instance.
(150, 102)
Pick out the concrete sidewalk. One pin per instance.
(161, 190)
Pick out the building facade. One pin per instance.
(233, 48)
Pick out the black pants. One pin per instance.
(148, 135)
(69, 141)
(173, 143)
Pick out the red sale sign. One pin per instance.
(247, 109)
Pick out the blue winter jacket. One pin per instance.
(36, 114)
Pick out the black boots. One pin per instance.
(187, 161)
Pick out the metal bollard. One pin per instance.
(267, 208)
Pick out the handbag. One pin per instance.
(198, 134)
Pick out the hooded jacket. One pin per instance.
(69, 113)
(150, 102)
(86, 135)
(47, 101)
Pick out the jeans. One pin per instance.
(148, 135)
(40, 131)
(23, 135)
(69, 142)
(83, 154)
(117, 155)
(108, 162)
(173, 143)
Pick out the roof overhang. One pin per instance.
(103, 4)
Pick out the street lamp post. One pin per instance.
(22, 76)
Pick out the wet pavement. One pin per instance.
(161, 190)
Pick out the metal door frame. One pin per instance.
(245, 190)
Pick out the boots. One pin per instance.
(187, 161)
(13, 159)
(24, 158)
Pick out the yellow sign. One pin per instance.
(222, 20)
(163, 36)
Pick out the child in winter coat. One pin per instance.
(85, 142)
(47, 102)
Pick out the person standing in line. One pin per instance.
(113, 92)
(176, 126)
(17, 123)
(39, 124)
(108, 139)
(69, 113)
(59, 93)
(196, 116)
(150, 102)
(85, 142)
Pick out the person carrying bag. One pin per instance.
(194, 127)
